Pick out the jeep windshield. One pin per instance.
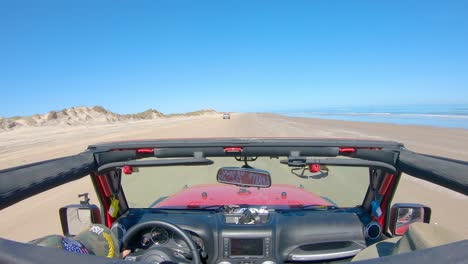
(196, 187)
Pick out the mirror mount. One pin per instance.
(402, 215)
(85, 201)
(75, 217)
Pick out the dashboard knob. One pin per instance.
(268, 262)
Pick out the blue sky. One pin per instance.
(178, 56)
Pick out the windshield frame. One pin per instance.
(372, 150)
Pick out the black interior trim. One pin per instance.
(155, 163)
(19, 183)
(450, 174)
(242, 142)
(345, 162)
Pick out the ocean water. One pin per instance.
(453, 116)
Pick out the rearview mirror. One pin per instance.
(76, 217)
(244, 177)
(402, 215)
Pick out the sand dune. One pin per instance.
(38, 215)
(85, 116)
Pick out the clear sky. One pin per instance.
(178, 56)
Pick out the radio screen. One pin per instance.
(247, 247)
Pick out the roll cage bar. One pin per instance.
(21, 182)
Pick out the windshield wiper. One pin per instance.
(192, 208)
(318, 207)
(207, 207)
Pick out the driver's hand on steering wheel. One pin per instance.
(125, 253)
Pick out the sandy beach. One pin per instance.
(38, 215)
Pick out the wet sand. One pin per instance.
(38, 215)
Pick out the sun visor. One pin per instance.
(22, 182)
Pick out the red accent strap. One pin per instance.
(145, 151)
(104, 185)
(386, 184)
(347, 150)
(102, 193)
(385, 201)
(232, 149)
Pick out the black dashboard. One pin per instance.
(252, 235)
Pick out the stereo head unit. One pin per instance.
(246, 247)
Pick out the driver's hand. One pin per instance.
(125, 253)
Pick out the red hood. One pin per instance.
(221, 194)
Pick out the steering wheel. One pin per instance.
(160, 254)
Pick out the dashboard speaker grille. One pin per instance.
(373, 230)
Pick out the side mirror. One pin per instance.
(76, 217)
(402, 215)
